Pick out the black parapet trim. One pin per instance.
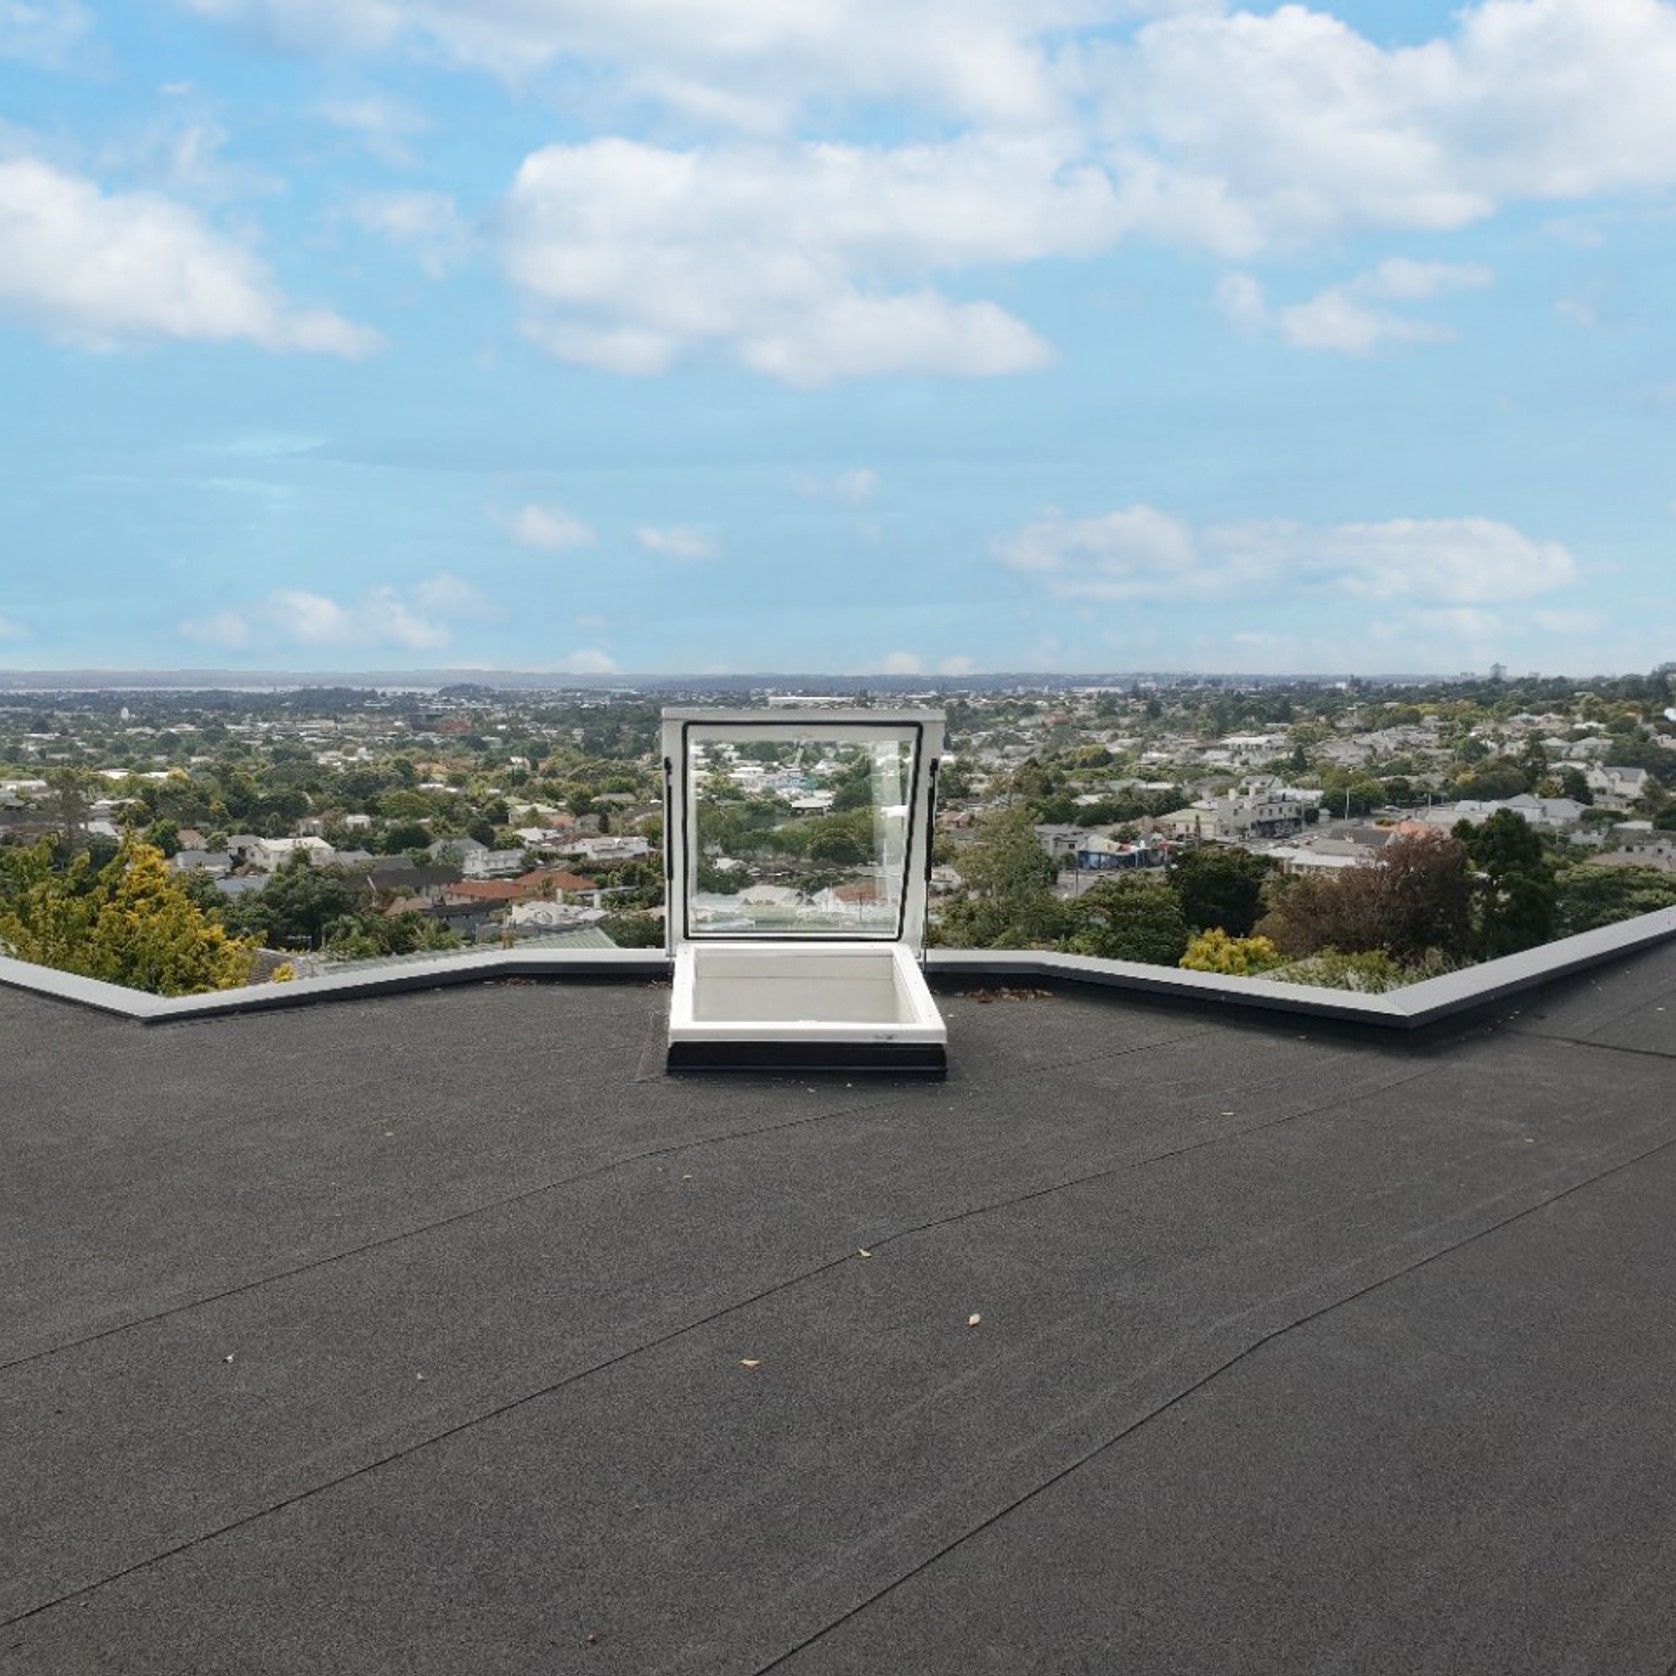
(921, 1058)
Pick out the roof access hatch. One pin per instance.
(798, 846)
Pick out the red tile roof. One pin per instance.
(541, 878)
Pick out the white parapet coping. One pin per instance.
(489, 966)
(1410, 1008)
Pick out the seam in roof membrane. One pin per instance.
(1181, 1396)
(606, 1168)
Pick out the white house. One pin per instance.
(482, 863)
(628, 848)
(1619, 785)
(1267, 814)
(270, 854)
(1293, 859)
(553, 916)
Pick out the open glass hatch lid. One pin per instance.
(798, 847)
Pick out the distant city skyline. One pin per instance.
(916, 339)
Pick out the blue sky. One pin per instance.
(850, 335)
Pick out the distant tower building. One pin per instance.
(1498, 672)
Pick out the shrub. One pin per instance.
(1238, 957)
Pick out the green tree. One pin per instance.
(1007, 898)
(127, 923)
(1493, 781)
(299, 902)
(367, 936)
(71, 796)
(1574, 784)
(1346, 793)
(1134, 916)
(164, 835)
(402, 837)
(1219, 887)
(1516, 896)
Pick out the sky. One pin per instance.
(838, 336)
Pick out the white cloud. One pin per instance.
(448, 595)
(866, 337)
(677, 541)
(1344, 317)
(1238, 131)
(957, 666)
(101, 270)
(230, 630)
(416, 619)
(1235, 128)
(1467, 624)
(1460, 561)
(1136, 552)
(630, 255)
(184, 158)
(1572, 623)
(738, 61)
(1141, 553)
(1401, 280)
(896, 663)
(551, 528)
(429, 222)
(853, 489)
(382, 123)
(42, 32)
(336, 26)
(589, 661)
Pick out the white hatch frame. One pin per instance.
(810, 994)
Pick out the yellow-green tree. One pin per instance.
(1236, 957)
(126, 923)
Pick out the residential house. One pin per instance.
(630, 847)
(216, 863)
(1297, 858)
(1273, 813)
(456, 852)
(398, 875)
(1616, 787)
(1197, 821)
(1595, 749)
(270, 854)
(483, 863)
(532, 917)
(554, 881)
(771, 896)
(1557, 813)
(861, 901)
(1101, 853)
(1061, 841)
(462, 917)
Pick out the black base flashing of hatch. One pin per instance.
(928, 1059)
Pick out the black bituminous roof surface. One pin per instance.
(410, 1335)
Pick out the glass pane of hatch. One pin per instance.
(795, 836)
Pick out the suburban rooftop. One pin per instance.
(445, 1332)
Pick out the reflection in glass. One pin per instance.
(797, 836)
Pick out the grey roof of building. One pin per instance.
(444, 1332)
